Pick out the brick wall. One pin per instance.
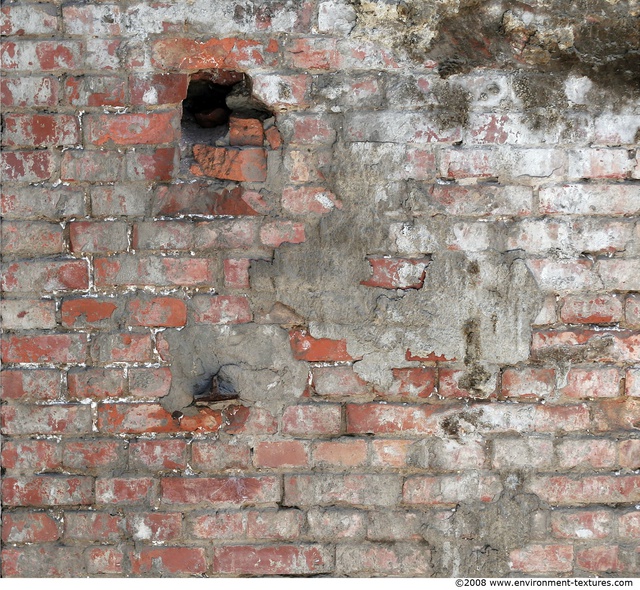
(422, 290)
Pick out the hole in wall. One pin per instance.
(214, 97)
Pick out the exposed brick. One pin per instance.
(221, 309)
(38, 202)
(93, 526)
(92, 166)
(340, 454)
(95, 91)
(47, 490)
(158, 455)
(151, 165)
(449, 490)
(154, 526)
(126, 347)
(56, 419)
(95, 383)
(629, 454)
(30, 384)
(235, 491)
(27, 166)
(158, 89)
(31, 239)
(390, 419)
(242, 165)
(309, 199)
(528, 383)
(93, 455)
(32, 19)
(401, 559)
(599, 309)
(587, 454)
(125, 491)
(597, 489)
(245, 132)
(307, 348)
(45, 561)
(396, 273)
(330, 524)
(45, 276)
(98, 237)
(278, 526)
(338, 382)
(236, 273)
(31, 455)
(131, 129)
(29, 528)
(281, 454)
(35, 91)
(43, 56)
(390, 454)
(167, 312)
(602, 558)
(276, 233)
(51, 348)
(542, 559)
(40, 130)
(629, 525)
(585, 525)
(585, 383)
(105, 560)
(219, 525)
(169, 560)
(78, 313)
(271, 560)
(213, 457)
(412, 383)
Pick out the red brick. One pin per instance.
(159, 271)
(584, 525)
(46, 561)
(597, 489)
(315, 54)
(47, 491)
(542, 559)
(340, 454)
(390, 454)
(188, 54)
(105, 560)
(274, 454)
(34, 91)
(30, 202)
(56, 419)
(51, 348)
(331, 524)
(200, 199)
(40, 130)
(399, 559)
(528, 383)
(163, 235)
(152, 165)
(589, 454)
(242, 165)
(95, 91)
(30, 384)
(169, 560)
(271, 560)
(245, 132)
(601, 382)
(281, 525)
(412, 383)
(602, 558)
(93, 526)
(231, 490)
(95, 383)
(98, 237)
(86, 312)
(30, 238)
(337, 489)
(273, 138)
(92, 20)
(629, 454)
(34, 527)
(167, 312)
(391, 419)
(93, 455)
(236, 273)
(629, 525)
(146, 418)
(154, 526)
(26, 166)
(244, 420)
(43, 56)
(124, 491)
(45, 276)
(220, 525)
(122, 199)
(31, 19)
(158, 89)
(597, 309)
(338, 381)
(212, 457)
(309, 199)
(450, 490)
(31, 455)
(226, 234)
(131, 129)
(104, 54)
(126, 347)
(221, 309)
(91, 166)
(396, 273)
(312, 420)
(449, 385)
(158, 455)
(275, 233)
(149, 382)
(613, 415)
(307, 348)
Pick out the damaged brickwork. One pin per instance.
(320, 288)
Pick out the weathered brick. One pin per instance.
(131, 129)
(586, 454)
(598, 309)
(98, 237)
(245, 132)
(95, 91)
(38, 202)
(34, 91)
(338, 382)
(219, 525)
(120, 490)
(43, 561)
(542, 559)
(158, 89)
(31, 456)
(50, 348)
(154, 526)
(105, 560)
(93, 455)
(27, 166)
(34, 527)
(278, 525)
(221, 491)
(590, 524)
(85, 312)
(242, 165)
(597, 489)
(102, 20)
(93, 526)
(396, 273)
(91, 166)
(307, 348)
(272, 560)
(213, 457)
(167, 312)
(158, 455)
(221, 309)
(126, 347)
(285, 454)
(236, 273)
(47, 490)
(42, 56)
(168, 561)
(449, 490)
(31, 19)
(56, 419)
(340, 454)
(158, 165)
(274, 234)
(601, 558)
(28, 314)
(400, 559)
